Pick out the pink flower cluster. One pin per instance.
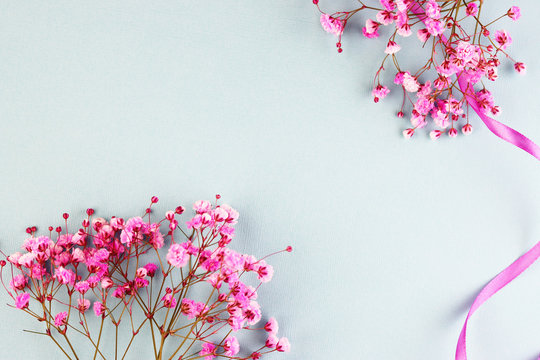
(115, 266)
(464, 53)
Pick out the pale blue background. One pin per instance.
(105, 103)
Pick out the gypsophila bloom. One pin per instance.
(465, 55)
(60, 318)
(145, 268)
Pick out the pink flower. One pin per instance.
(208, 350)
(467, 129)
(231, 346)
(433, 10)
(83, 305)
(271, 341)
(380, 92)
(264, 271)
(106, 283)
(332, 25)
(169, 301)
(64, 276)
(435, 134)
(472, 9)
(271, 326)
(202, 206)
(99, 308)
(409, 83)
(452, 132)
(141, 272)
(503, 38)
(392, 48)
(408, 133)
(18, 282)
(520, 68)
(385, 17)
(370, 30)
(398, 79)
(283, 345)
(27, 259)
(465, 51)
(82, 286)
(388, 4)
(440, 118)
(134, 231)
(60, 318)
(233, 214)
(21, 302)
(151, 269)
(514, 13)
(404, 30)
(435, 27)
(177, 256)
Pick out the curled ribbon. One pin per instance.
(496, 284)
(513, 137)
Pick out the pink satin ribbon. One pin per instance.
(513, 137)
(500, 281)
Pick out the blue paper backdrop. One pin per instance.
(106, 103)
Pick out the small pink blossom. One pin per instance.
(385, 17)
(433, 10)
(520, 68)
(332, 25)
(82, 286)
(371, 29)
(177, 256)
(380, 92)
(472, 9)
(514, 13)
(208, 350)
(21, 302)
(435, 134)
(452, 132)
(408, 133)
(64, 276)
(231, 346)
(151, 269)
(467, 129)
(18, 282)
(169, 301)
(409, 83)
(271, 326)
(83, 305)
(392, 47)
(99, 308)
(283, 345)
(271, 341)
(503, 38)
(60, 318)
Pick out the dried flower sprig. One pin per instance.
(464, 53)
(107, 266)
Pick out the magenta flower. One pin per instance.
(332, 25)
(64, 276)
(514, 13)
(208, 350)
(177, 256)
(99, 309)
(60, 318)
(21, 302)
(231, 346)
